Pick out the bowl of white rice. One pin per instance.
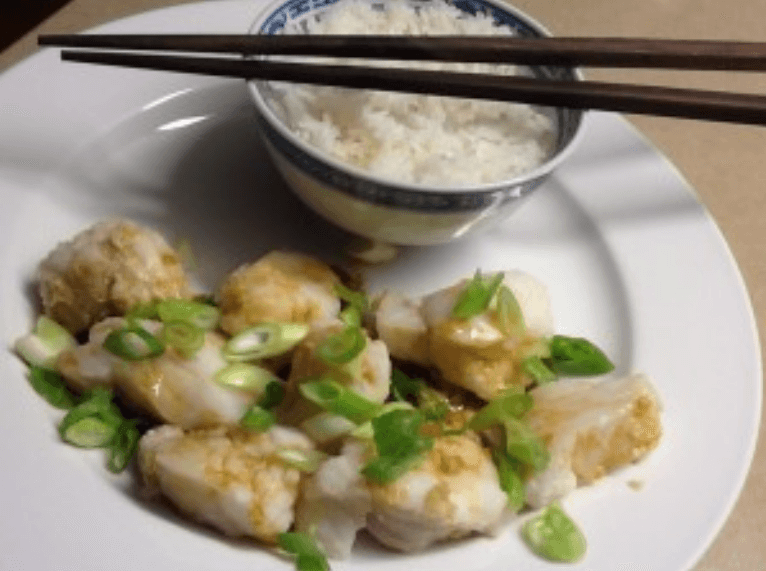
(407, 168)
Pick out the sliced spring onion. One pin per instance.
(577, 357)
(326, 427)
(356, 299)
(123, 446)
(133, 343)
(89, 432)
(434, 405)
(97, 423)
(142, 310)
(50, 385)
(342, 347)
(351, 316)
(403, 387)
(338, 399)
(184, 337)
(54, 334)
(199, 314)
(510, 404)
(94, 422)
(476, 295)
(245, 377)
(522, 444)
(264, 340)
(258, 419)
(401, 447)
(554, 536)
(304, 460)
(47, 341)
(308, 556)
(365, 431)
(509, 315)
(510, 479)
(273, 395)
(357, 303)
(539, 371)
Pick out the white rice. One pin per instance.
(441, 141)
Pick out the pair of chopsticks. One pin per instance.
(586, 52)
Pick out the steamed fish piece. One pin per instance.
(400, 323)
(591, 427)
(454, 493)
(228, 478)
(105, 270)
(368, 374)
(279, 287)
(170, 387)
(471, 353)
(335, 501)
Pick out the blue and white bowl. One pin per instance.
(388, 210)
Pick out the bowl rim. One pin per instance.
(540, 171)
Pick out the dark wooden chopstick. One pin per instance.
(652, 100)
(588, 52)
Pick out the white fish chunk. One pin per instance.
(170, 387)
(400, 324)
(279, 287)
(228, 478)
(335, 501)
(454, 493)
(591, 427)
(105, 270)
(474, 353)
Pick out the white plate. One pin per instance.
(632, 259)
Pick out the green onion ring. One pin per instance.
(184, 337)
(133, 343)
(199, 314)
(264, 340)
(338, 399)
(342, 347)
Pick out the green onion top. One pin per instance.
(401, 447)
(509, 475)
(184, 337)
(123, 446)
(50, 385)
(576, 356)
(511, 404)
(342, 347)
(258, 419)
(339, 399)
(308, 556)
(353, 298)
(133, 343)
(42, 347)
(264, 340)
(554, 536)
(538, 370)
(403, 387)
(245, 377)
(476, 296)
(509, 315)
(524, 445)
(96, 422)
(195, 313)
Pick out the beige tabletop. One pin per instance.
(726, 164)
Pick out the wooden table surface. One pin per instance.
(726, 164)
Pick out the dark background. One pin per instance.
(24, 16)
